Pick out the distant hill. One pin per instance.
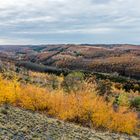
(123, 59)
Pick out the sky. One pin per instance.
(69, 21)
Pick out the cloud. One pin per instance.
(44, 20)
(9, 41)
(70, 31)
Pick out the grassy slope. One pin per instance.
(18, 124)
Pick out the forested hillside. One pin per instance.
(102, 94)
(122, 60)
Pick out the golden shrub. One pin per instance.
(8, 90)
(83, 106)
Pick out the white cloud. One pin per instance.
(9, 41)
(27, 17)
(70, 31)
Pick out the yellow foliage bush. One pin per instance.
(8, 90)
(85, 106)
(32, 97)
(123, 121)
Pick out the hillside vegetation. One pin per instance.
(93, 86)
(122, 59)
(81, 105)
